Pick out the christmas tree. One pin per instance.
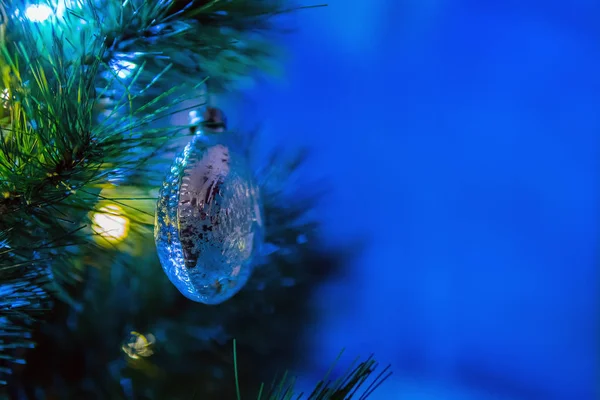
(89, 88)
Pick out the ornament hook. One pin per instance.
(212, 120)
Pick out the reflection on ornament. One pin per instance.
(138, 345)
(209, 224)
(109, 224)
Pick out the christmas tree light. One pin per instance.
(123, 68)
(110, 225)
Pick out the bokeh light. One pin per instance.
(138, 345)
(38, 12)
(4, 97)
(110, 225)
(123, 68)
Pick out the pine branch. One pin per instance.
(23, 299)
(54, 155)
(226, 40)
(344, 388)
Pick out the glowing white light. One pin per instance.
(4, 97)
(54, 8)
(123, 68)
(38, 12)
(110, 225)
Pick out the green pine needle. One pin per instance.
(237, 382)
(56, 153)
(227, 41)
(344, 388)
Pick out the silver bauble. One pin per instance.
(209, 223)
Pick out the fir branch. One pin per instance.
(23, 299)
(52, 148)
(226, 40)
(223, 40)
(344, 388)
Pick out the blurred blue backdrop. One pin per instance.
(462, 141)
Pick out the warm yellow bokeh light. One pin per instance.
(139, 345)
(109, 224)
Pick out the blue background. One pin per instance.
(462, 140)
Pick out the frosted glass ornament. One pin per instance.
(209, 223)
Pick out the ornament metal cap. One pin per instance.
(211, 120)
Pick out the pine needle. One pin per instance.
(344, 388)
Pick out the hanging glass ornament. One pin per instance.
(209, 223)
